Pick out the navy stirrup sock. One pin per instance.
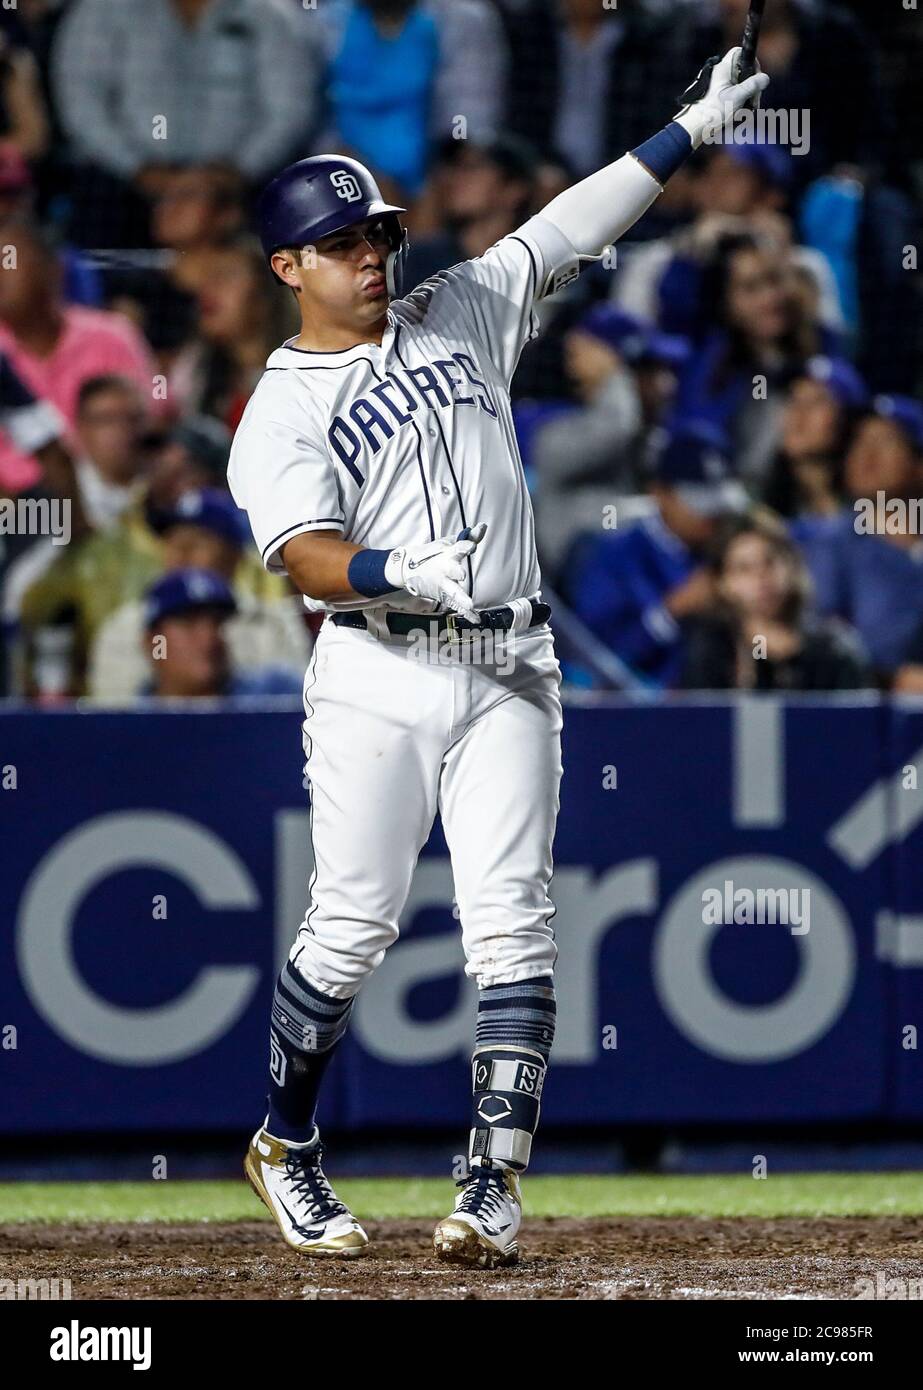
(306, 1027)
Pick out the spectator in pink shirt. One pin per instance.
(55, 347)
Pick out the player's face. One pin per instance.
(757, 578)
(342, 276)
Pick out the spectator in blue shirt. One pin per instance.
(633, 588)
(402, 74)
(867, 565)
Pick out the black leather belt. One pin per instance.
(492, 620)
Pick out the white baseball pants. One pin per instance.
(395, 730)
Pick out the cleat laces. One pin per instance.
(309, 1184)
(484, 1193)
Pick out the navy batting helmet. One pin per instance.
(324, 194)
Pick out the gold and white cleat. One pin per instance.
(290, 1180)
(482, 1230)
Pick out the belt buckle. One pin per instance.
(456, 633)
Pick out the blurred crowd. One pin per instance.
(720, 420)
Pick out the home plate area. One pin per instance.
(641, 1258)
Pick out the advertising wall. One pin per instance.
(154, 869)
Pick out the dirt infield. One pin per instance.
(657, 1257)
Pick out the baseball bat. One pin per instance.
(750, 39)
(747, 65)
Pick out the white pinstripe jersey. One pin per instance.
(404, 442)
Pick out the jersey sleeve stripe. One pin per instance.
(300, 526)
(513, 237)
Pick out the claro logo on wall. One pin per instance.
(590, 905)
(45, 950)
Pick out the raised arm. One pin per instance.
(594, 213)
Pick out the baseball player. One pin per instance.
(378, 465)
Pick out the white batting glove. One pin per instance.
(436, 570)
(707, 115)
